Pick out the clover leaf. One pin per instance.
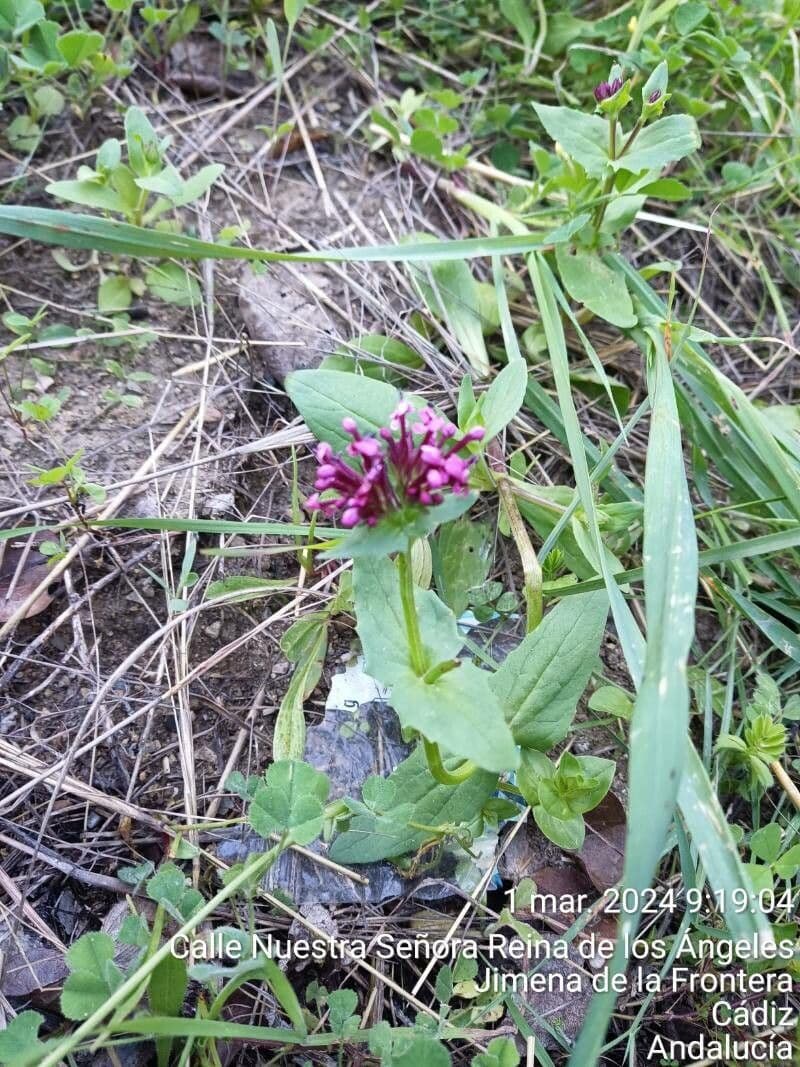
(290, 801)
(94, 976)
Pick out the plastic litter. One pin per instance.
(360, 736)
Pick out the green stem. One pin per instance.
(439, 771)
(436, 672)
(531, 568)
(608, 185)
(419, 661)
(642, 24)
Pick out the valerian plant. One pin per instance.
(393, 471)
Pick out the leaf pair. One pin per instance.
(381, 823)
(458, 710)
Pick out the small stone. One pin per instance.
(276, 307)
(213, 628)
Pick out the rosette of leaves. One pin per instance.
(761, 741)
(561, 793)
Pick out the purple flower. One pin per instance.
(414, 460)
(654, 96)
(605, 90)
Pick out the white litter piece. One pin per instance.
(354, 687)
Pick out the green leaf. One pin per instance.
(420, 799)
(198, 184)
(599, 386)
(302, 635)
(780, 635)
(611, 700)
(667, 189)
(444, 985)
(69, 230)
(141, 140)
(342, 1004)
(502, 400)
(461, 560)
(173, 284)
(325, 397)
(787, 865)
(500, 1052)
(293, 9)
(289, 735)
(566, 833)
(422, 1052)
(274, 49)
(19, 1040)
(540, 682)
(290, 801)
(582, 136)
(17, 16)
(94, 976)
(166, 182)
(167, 886)
(588, 280)
(23, 133)
(665, 141)
(518, 13)
(378, 793)
(247, 586)
(78, 45)
(49, 101)
(381, 626)
(766, 842)
(137, 874)
(460, 712)
(166, 992)
(167, 986)
(688, 16)
(451, 294)
(114, 294)
(87, 193)
(426, 143)
(660, 721)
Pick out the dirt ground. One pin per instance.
(117, 712)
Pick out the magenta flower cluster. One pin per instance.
(605, 90)
(414, 460)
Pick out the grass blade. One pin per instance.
(71, 230)
(660, 720)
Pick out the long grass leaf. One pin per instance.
(71, 230)
(737, 409)
(768, 544)
(545, 285)
(660, 720)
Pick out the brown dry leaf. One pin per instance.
(569, 886)
(22, 568)
(30, 964)
(602, 853)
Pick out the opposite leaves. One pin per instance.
(458, 710)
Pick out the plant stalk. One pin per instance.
(419, 660)
(439, 771)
